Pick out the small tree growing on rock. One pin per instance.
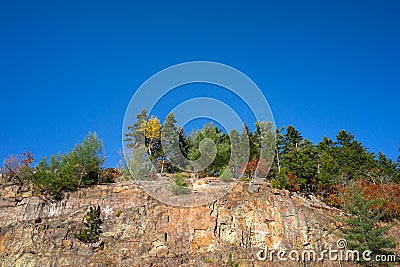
(17, 168)
(362, 230)
(90, 229)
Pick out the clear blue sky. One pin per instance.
(69, 67)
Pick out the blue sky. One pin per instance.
(69, 67)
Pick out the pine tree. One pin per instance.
(136, 135)
(386, 170)
(90, 230)
(292, 140)
(352, 157)
(170, 142)
(362, 230)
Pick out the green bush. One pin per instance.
(118, 213)
(90, 230)
(281, 181)
(178, 185)
(208, 260)
(66, 172)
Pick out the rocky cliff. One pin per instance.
(140, 231)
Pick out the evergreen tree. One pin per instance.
(222, 145)
(327, 166)
(90, 230)
(184, 144)
(298, 162)
(386, 170)
(136, 134)
(254, 142)
(240, 152)
(170, 141)
(236, 152)
(352, 157)
(362, 230)
(292, 140)
(301, 163)
(276, 166)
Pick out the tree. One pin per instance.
(301, 163)
(202, 151)
(298, 162)
(276, 165)
(239, 153)
(362, 230)
(327, 171)
(17, 168)
(90, 229)
(352, 157)
(135, 136)
(292, 140)
(386, 170)
(86, 158)
(327, 167)
(170, 141)
(267, 136)
(152, 133)
(145, 132)
(253, 141)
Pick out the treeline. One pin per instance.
(331, 167)
(298, 165)
(229, 153)
(302, 165)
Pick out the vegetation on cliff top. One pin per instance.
(324, 169)
(63, 172)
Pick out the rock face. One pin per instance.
(140, 231)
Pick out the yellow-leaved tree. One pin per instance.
(152, 132)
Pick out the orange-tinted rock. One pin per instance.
(39, 232)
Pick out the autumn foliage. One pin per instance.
(389, 192)
(16, 168)
(255, 167)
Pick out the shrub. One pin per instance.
(118, 213)
(389, 192)
(69, 171)
(281, 181)
(109, 175)
(231, 262)
(255, 167)
(178, 185)
(208, 260)
(17, 168)
(90, 229)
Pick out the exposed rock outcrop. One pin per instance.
(140, 231)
